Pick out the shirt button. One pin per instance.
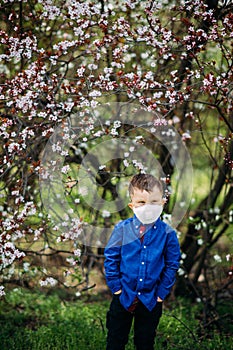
(139, 293)
(140, 280)
(136, 226)
(143, 263)
(144, 246)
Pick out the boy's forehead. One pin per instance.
(137, 192)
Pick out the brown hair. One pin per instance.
(144, 182)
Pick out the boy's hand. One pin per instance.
(118, 292)
(159, 300)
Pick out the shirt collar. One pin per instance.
(137, 223)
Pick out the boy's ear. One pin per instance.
(130, 205)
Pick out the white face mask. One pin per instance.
(148, 213)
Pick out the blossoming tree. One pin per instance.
(59, 61)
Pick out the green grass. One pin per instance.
(34, 321)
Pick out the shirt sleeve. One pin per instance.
(172, 263)
(112, 261)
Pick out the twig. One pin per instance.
(191, 332)
(102, 325)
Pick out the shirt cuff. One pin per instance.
(114, 286)
(162, 292)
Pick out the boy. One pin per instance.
(142, 257)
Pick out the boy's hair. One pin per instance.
(144, 182)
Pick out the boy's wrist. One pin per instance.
(118, 292)
(159, 300)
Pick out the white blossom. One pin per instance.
(106, 214)
(2, 292)
(217, 258)
(49, 281)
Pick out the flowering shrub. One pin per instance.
(59, 60)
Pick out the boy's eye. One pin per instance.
(140, 203)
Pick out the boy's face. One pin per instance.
(142, 197)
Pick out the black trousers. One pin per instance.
(119, 322)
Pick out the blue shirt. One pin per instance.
(146, 270)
